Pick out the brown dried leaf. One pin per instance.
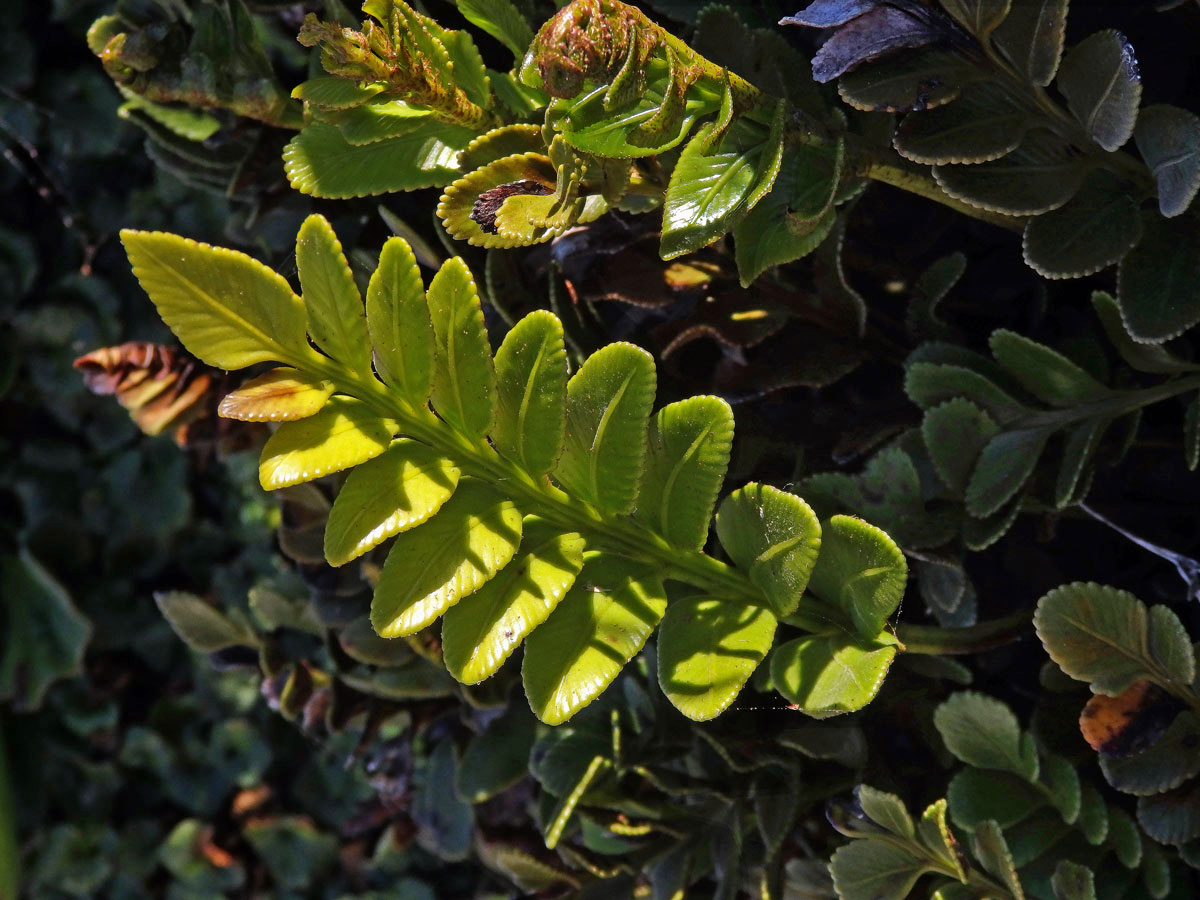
(1129, 722)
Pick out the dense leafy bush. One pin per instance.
(620, 699)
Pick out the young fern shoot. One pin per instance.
(524, 506)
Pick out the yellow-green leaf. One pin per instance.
(464, 384)
(860, 570)
(688, 453)
(531, 382)
(608, 404)
(343, 434)
(398, 323)
(393, 493)
(826, 675)
(337, 322)
(227, 308)
(483, 630)
(707, 650)
(593, 632)
(775, 537)
(276, 396)
(432, 567)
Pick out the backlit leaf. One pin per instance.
(1040, 175)
(601, 624)
(390, 494)
(430, 568)
(687, 455)
(608, 405)
(1003, 468)
(1168, 138)
(1095, 229)
(1106, 637)
(344, 433)
(398, 323)
(707, 651)
(1100, 79)
(1046, 374)
(936, 835)
(379, 120)
(775, 537)
(320, 162)
(500, 19)
(861, 571)
(531, 385)
(1032, 38)
(826, 675)
(464, 384)
(763, 243)
(983, 732)
(483, 630)
(228, 309)
(710, 192)
(1156, 284)
(337, 322)
(331, 92)
(470, 205)
(872, 870)
(955, 433)
(276, 396)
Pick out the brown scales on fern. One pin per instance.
(165, 388)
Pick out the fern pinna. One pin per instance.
(523, 505)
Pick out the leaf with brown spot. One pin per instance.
(279, 395)
(1129, 722)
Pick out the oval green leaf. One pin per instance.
(1107, 637)
(687, 456)
(227, 308)
(483, 630)
(344, 433)
(608, 405)
(430, 568)
(861, 571)
(531, 389)
(337, 322)
(707, 651)
(594, 631)
(464, 384)
(390, 494)
(775, 537)
(827, 675)
(398, 323)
